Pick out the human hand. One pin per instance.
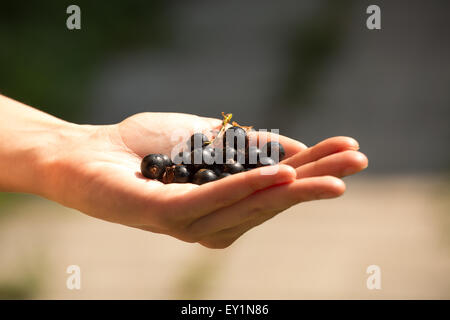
(96, 171)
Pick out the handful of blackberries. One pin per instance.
(230, 152)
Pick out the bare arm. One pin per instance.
(95, 169)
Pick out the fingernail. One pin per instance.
(355, 144)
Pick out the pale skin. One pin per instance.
(95, 169)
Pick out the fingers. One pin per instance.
(291, 146)
(272, 200)
(339, 165)
(322, 149)
(225, 192)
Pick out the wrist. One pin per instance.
(32, 147)
(34, 159)
(49, 175)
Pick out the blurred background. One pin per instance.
(310, 68)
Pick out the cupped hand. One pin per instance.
(97, 172)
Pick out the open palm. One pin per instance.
(98, 174)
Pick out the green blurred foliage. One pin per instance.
(27, 287)
(314, 42)
(46, 65)
(27, 278)
(196, 278)
(9, 200)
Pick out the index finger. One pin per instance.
(291, 146)
(322, 149)
(225, 192)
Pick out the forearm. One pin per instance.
(29, 139)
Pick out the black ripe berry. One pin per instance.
(224, 175)
(197, 140)
(232, 167)
(176, 174)
(240, 156)
(203, 176)
(210, 149)
(265, 161)
(235, 137)
(183, 157)
(181, 174)
(205, 161)
(201, 158)
(217, 168)
(167, 161)
(274, 150)
(229, 153)
(252, 156)
(152, 166)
